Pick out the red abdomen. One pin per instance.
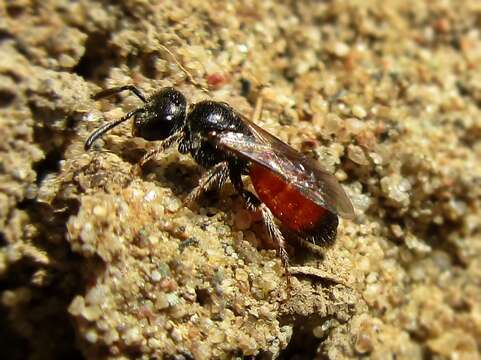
(286, 203)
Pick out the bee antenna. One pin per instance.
(104, 128)
(182, 67)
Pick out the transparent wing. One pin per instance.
(300, 171)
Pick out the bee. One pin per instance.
(289, 186)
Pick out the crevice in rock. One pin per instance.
(97, 59)
(303, 343)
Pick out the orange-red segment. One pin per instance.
(286, 203)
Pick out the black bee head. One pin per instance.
(163, 114)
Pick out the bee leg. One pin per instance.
(253, 203)
(276, 235)
(184, 145)
(161, 147)
(214, 177)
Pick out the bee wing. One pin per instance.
(303, 173)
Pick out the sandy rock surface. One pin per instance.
(98, 261)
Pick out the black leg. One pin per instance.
(117, 89)
(253, 203)
(161, 147)
(184, 145)
(214, 177)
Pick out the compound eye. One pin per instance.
(151, 126)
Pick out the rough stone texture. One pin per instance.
(97, 261)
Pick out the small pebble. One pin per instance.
(176, 335)
(359, 111)
(100, 211)
(91, 336)
(155, 276)
(357, 155)
(341, 49)
(132, 336)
